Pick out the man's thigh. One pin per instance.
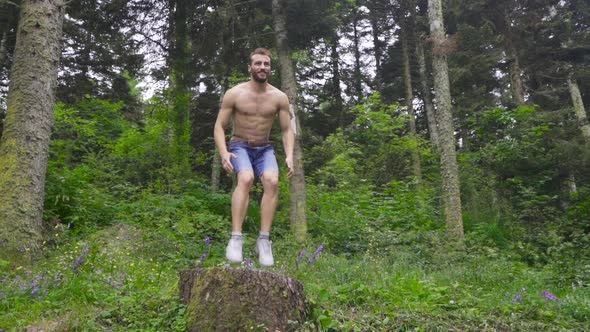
(242, 161)
(266, 162)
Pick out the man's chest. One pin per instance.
(260, 106)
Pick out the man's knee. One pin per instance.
(245, 178)
(270, 180)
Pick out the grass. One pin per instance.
(127, 281)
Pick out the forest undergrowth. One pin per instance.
(122, 275)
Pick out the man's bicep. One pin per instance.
(285, 118)
(285, 107)
(226, 110)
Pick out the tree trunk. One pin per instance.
(337, 92)
(377, 46)
(426, 96)
(579, 107)
(27, 128)
(180, 80)
(410, 103)
(216, 163)
(3, 49)
(358, 80)
(224, 299)
(298, 205)
(450, 169)
(514, 70)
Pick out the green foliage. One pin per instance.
(72, 197)
(469, 293)
(91, 126)
(374, 149)
(358, 219)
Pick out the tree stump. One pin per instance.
(225, 299)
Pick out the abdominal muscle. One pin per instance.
(252, 128)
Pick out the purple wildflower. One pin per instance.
(35, 291)
(207, 242)
(549, 296)
(248, 262)
(301, 256)
(316, 254)
(80, 260)
(518, 296)
(202, 260)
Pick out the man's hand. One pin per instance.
(226, 161)
(289, 162)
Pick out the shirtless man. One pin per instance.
(253, 106)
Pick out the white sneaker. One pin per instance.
(233, 252)
(264, 250)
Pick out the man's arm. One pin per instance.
(223, 119)
(288, 133)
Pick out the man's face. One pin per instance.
(259, 68)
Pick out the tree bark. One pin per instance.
(297, 199)
(450, 169)
(3, 50)
(358, 79)
(377, 45)
(410, 103)
(336, 91)
(579, 107)
(216, 163)
(516, 84)
(241, 300)
(426, 96)
(27, 128)
(180, 80)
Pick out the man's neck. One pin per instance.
(257, 86)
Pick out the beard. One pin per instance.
(259, 79)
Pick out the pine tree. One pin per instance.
(298, 203)
(450, 169)
(25, 143)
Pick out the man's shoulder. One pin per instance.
(236, 89)
(277, 92)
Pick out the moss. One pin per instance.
(8, 162)
(17, 229)
(240, 299)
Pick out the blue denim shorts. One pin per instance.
(257, 158)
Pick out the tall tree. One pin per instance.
(180, 82)
(379, 24)
(99, 48)
(298, 205)
(25, 142)
(579, 109)
(450, 169)
(407, 26)
(337, 104)
(426, 94)
(216, 163)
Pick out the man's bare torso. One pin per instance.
(254, 112)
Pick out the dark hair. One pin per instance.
(260, 50)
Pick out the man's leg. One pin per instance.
(268, 204)
(240, 199)
(239, 207)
